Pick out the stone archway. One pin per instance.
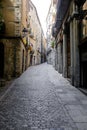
(1, 60)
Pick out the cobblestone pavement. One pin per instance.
(41, 99)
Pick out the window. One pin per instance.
(84, 22)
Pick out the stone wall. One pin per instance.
(14, 61)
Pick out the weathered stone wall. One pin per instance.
(8, 58)
(14, 61)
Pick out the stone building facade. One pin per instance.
(50, 40)
(35, 36)
(13, 54)
(21, 37)
(70, 33)
(12, 39)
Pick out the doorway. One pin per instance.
(83, 65)
(68, 52)
(1, 60)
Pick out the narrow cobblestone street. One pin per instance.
(41, 99)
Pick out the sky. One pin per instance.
(42, 7)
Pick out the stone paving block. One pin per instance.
(76, 113)
(56, 129)
(68, 129)
(34, 128)
(84, 102)
(41, 99)
(67, 98)
(81, 126)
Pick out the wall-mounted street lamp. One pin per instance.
(24, 32)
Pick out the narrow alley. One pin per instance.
(41, 99)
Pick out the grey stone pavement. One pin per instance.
(41, 99)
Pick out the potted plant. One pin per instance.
(52, 44)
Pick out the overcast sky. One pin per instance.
(42, 7)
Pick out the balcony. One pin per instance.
(80, 2)
(18, 2)
(31, 35)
